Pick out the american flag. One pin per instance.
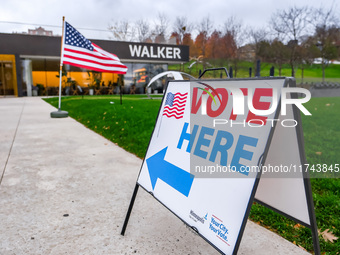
(81, 52)
(175, 105)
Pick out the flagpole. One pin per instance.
(60, 113)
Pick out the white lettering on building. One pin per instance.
(145, 52)
(140, 51)
(161, 52)
(177, 53)
(135, 50)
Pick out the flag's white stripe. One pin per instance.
(86, 57)
(180, 100)
(173, 112)
(108, 54)
(89, 54)
(89, 64)
(178, 104)
(174, 108)
(94, 53)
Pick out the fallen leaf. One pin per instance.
(328, 236)
(318, 153)
(297, 226)
(302, 248)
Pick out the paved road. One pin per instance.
(65, 190)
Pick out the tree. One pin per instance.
(187, 40)
(292, 23)
(257, 36)
(307, 52)
(265, 51)
(176, 36)
(161, 26)
(232, 40)
(325, 36)
(279, 54)
(181, 27)
(204, 30)
(227, 46)
(143, 30)
(122, 30)
(200, 42)
(213, 45)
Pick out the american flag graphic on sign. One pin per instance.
(175, 105)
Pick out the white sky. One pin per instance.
(98, 14)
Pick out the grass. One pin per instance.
(322, 130)
(130, 126)
(312, 73)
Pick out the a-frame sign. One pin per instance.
(220, 145)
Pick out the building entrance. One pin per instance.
(6, 78)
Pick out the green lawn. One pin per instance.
(130, 126)
(312, 73)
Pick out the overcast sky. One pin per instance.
(98, 14)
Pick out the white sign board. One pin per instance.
(204, 155)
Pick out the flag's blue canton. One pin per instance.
(74, 38)
(170, 99)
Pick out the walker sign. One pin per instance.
(210, 142)
(161, 52)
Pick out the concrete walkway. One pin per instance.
(65, 190)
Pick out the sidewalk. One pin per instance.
(66, 189)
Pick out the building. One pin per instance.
(40, 31)
(28, 62)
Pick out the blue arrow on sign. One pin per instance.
(174, 176)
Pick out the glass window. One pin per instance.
(45, 73)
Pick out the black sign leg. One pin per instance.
(121, 93)
(316, 244)
(127, 217)
(312, 218)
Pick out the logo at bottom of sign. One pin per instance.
(214, 224)
(217, 226)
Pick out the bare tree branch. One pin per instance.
(235, 28)
(181, 27)
(161, 24)
(143, 30)
(205, 26)
(293, 22)
(122, 30)
(324, 18)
